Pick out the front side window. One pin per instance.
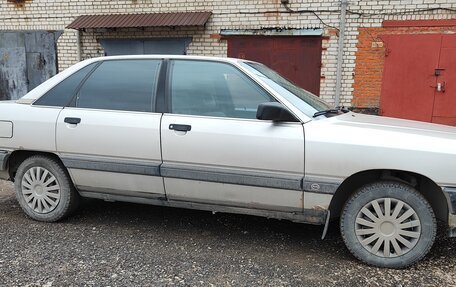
(307, 102)
(63, 92)
(216, 89)
(127, 85)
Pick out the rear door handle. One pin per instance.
(73, 121)
(181, 128)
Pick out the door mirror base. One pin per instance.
(274, 111)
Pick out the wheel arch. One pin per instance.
(427, 187)
(18, 156)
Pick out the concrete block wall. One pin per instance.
(239, 14)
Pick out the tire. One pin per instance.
(395, 241)
(44, 189)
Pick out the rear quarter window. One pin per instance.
(63, 92)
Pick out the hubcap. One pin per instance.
(387, 227)
(40, 189)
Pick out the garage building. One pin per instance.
(388, 57)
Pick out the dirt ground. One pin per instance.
(121, 244)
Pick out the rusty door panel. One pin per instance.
(297, 58)
(408, 76)
(41, 57)
(13, 75)
(26, 60)
(444, 111)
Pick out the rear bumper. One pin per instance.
(450, 194)
(4, 155)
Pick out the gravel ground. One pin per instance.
(121, 244)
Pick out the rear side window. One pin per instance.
(127, 85)
(62, 93)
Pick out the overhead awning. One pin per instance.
(141, 20)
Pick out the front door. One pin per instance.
(215, 150)
(419, 78)
(109, 137)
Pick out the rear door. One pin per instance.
(109, 136)
(215, 151)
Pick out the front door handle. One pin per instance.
(73, 121)
(181, 128)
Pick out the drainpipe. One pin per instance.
(78, 45)
(340, 50)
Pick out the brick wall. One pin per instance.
(240, 14)
(369, 68)
(370, 60)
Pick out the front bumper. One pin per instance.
(450, 194)
(4, 155)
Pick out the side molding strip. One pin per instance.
(152, 169)
(222, 176)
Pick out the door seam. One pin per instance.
(436, 79)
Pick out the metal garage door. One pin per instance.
(168, 46)
(298, 58)
(419, 78)
(26, 60)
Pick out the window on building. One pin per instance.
(127, 85)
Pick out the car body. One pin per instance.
(227, 135)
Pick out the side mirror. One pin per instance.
(274, 111)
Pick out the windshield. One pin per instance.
(307, 102)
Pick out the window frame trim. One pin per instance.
(161, 105)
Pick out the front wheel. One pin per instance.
(44, 189)
(388, 224)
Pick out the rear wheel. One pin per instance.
(388, 224)
(44, 189)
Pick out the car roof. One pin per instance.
(43, 88)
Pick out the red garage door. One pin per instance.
(298, 58)
(419, 78)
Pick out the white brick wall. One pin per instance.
(240, 14)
